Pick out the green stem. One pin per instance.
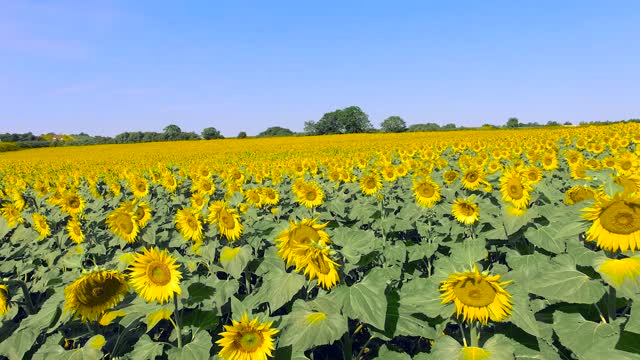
(611, 302)
(464, 338)
(473, 233)
(475, 336)
(177, 322)
(363, 347)
(347, 351)
(27, 296)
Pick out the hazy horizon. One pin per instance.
(106, 68)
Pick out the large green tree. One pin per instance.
(513, 123)
(211, 133)
(394, 124)
(172, 132)
(343, 121)
(276, 131)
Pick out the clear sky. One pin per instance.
(104, 67)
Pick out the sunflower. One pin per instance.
(616, 271)
(473, 178)
(124, 224)
(11, 214)
(41, 226)
(4, 300)
(616, 222)
(627, 163)
(139, 187)
(154, 275)
(450, 176)
(533, 174)
(72, 204)
(316, 263)
(630, 183)
(310, 195)
(198, 201)
(143, 213)
(247, 340)
(189, 225)
(306, 232)
(465, 211)
(269, 196)
(75, 231)
(169, 182)
(253, 197)
(477, 296)
(94, 293)
(426, 192)
(370, 184)
(578, 193)
(389, 173)
(17, 199)
(515, 189)
(204, 186)
(227, 219)
(549, 161)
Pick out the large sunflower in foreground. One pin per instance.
(616, 222)
(477, 296)
(124, 224)
(426, 192)
(154, 275)
(306, 232)
(92, 294)
(465, 211)
(189, 225)
(227, 220)
(247, 340)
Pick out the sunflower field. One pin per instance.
(492, 244)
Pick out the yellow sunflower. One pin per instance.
(426, 192)
(4, 300)
(630, 183)
(477, 296)
(169, 182)
(616, 222)
(253, 197)
(204, 186)
(198, 201)
(450, 176)
(75, 231)
(315, 261)
(11, 214)
(306, 232)
(627, 163)
(533, 174)
(310, 195)
(227, 220)
(474, 353)
(550, 161)
(94, 293)
(41, 226)
(124, 224)
(389, 173)
(616, 271)
(139, 187)
(466, 211)
(578, 193)
(370, 184)
(515, 188)
(154, 275)
(269, 196)
(189, 225)
(143, 213)
(473, 178)
(72, 204)
(247, 340)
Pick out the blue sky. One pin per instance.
(104, 67)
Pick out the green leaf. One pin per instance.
(499, 347)
(279, 287)
(198, 348)
(365, 300)
(469, 252)
(521, 315)
(147, 349)
(422, 296)
(234, 260)
(311, 324)
(568, 285)
(582, 336)
(354, 243)
(446, 347)
(633, 324)
(386, 354)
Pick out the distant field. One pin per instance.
(443, 245)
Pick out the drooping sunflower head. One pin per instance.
(75, 231)
(189, 225)
(426, 192)
(477, 296)
(465, 211)
(154, 275)
(143, 213)
(247, 340)
(92, 294)
(370, 184)
(305, 232)
(578, 193)
(616, 222)
(124, 224)
(41, 226)
(227, 220)
(317, 263)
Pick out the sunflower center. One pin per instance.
(467, 209)
(370, 183)
(474, 292)
(74, 203)
(192, 223)
(305, 234)
(472, 176)
(141, 186)
(42, 223)
(626, 165)
(227, 220)
(311, 195)
(159, 273)
(76, 230)
(426, 190)
(515, 189)
(139, 212)
(125, 224)
(250, 341)
(621, 218)
(96, 291)
(548, 161)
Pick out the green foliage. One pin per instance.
(513, 123)
(276, 131)
(349, 120)
(211, 133)
(393, 124)
(242, 135)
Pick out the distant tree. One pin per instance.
(172, 132)
(242, 135)
(513, 123)
(424, 127)
(211, 133)
(553, 123)
(345, 121)
(188, 136)
(394, 124)
(488, 126)
(329, 124)
(567, 123)
(449, 126)
(310, 127)
(276, 131)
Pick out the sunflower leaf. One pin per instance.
(309, 325)
(147, 349)
(566, 284)
(582, 336)
(365, 300)
(198, 348)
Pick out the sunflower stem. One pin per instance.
(464, 338)
(347, 350)
(363, 347)
(27, 296)
(177, 322)
(611, 302)
(604, 321)
(474, 335)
